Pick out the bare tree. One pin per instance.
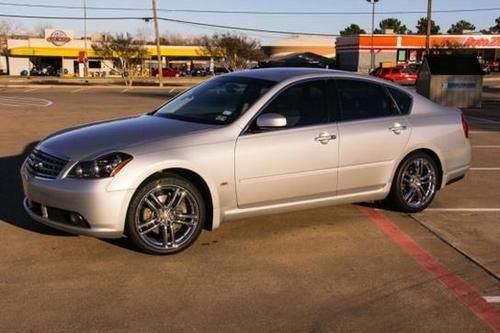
(177, 39)
(8, 29)
(128, 56)
(144, 36)
(235, 50)
(39, 29)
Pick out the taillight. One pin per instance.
(465, 126)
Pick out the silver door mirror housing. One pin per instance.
(271, 120)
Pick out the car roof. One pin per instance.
(279, 74)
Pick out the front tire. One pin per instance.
(166, 215)
(415, 183)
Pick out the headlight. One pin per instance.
(102, 167)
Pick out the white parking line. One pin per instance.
(464, 210)
(483, 132)
(77, 90)
(24, 101)
(484, 169)
(486, 146)
(492, 299)
(30, 90)
(171, 90)
(484, 120)
(124, 90)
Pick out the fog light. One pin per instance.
(76, 219)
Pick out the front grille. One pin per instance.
(41, 164)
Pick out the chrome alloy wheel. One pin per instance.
(167, 216)
(418, 182)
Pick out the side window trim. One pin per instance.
(393, 100)
(333, 106)
(397, 105)
(246, 129)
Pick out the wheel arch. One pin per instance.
(434, 156)
(212, 221)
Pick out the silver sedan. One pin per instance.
(243, 144)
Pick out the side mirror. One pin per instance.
(271, 120)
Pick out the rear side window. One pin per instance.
(403, 100)
(363, 100)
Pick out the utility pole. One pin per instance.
(429, 24)
(158, 48)
(372, 51)
(85, 60)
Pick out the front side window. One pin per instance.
(218, 101)
(363, 100)
(303, 104)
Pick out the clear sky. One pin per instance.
(317, 24)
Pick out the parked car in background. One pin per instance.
(199, 72)
(43, 71)
(166, 72)
(245, 144)
(401, 75)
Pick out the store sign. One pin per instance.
(478, 42)
(57, 37)
(459, 85)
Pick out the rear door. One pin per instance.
(372, 133)
(292, 163)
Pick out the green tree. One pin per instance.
(353, 29)
(422, 27)
(394, 24)
(127, 55)
(459, 27)
(494, 29)
(236, 51)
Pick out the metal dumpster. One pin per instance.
(453, 80)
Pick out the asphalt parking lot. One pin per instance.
(344, 268)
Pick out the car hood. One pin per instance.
(92, 140)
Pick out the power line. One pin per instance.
(249, 12)
(118, 18)
(249, 29)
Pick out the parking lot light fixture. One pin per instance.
(372, 54)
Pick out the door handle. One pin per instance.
(324, 137)
(397, 128)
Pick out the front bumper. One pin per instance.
(104, 211)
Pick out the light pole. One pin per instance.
(85, 60)
(429, 25)
(372, 53)
(158, 48)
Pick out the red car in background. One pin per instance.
(401, 75)
(167, 72)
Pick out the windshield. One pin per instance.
(218, 101)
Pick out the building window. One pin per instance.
(95, 64)
(401, 55)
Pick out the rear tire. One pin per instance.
(166, 215)
(415, 183)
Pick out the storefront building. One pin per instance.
(353, 52)
(298, 44)
(59, 52)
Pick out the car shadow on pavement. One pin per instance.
(11, 195)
